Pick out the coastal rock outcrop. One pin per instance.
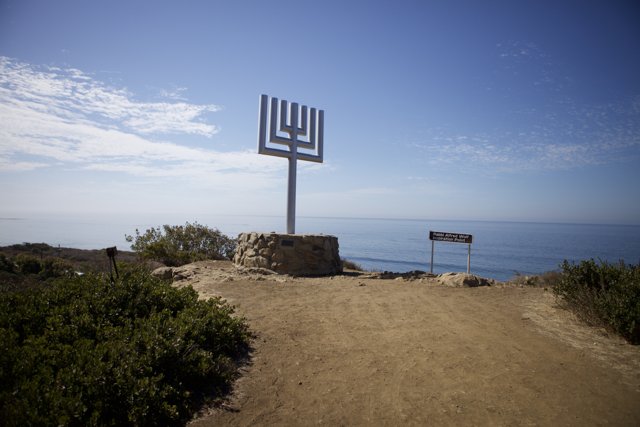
(163, 273)
(463, 280)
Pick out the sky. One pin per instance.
(492, 110)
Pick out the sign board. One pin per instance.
(441, 236)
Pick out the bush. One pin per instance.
(548, 279)
(55, 267)
(28, 264)
(10, 276)
(604, 294)
(351, 265)
(6, 264)
(179, 245)
(84, 352)
(81, 260)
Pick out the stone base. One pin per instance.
(295, 254)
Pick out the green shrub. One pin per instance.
(351, 265)
(548, 279)
(81, 351)
(178, 245)
(55, 267)
(6, 264)
(28, 264)
(26, 270)
(604, 294)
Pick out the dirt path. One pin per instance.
(354, 350)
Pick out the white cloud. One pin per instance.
(72, 94)
(50, 115)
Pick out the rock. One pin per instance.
(410, 275)
(463, 280)
(255, 271)
(163, 273)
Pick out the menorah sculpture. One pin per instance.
(296, 129)
(300, 131)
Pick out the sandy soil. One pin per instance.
(360, 350)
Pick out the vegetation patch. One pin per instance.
(351, 265)
(182, 244)
(81, 260)
(603, 294)
(79, 350)
(27, 270)
(548, 279)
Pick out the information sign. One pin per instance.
(441, 236)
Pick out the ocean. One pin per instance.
(500, 250)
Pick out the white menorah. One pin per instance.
(303, 130)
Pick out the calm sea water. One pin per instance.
(500, 250)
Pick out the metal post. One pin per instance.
(291, 195)
(432, 247)
(293, 160)
(469, 260)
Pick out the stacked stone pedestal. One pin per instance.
(294, 254)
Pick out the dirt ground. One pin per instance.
(361, 350)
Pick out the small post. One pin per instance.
(111, 253)
(432, 247)
(469, 260)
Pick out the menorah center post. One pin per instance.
(293, 160)
(291, 193)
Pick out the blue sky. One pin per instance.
(513, 110)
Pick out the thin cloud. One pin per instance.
(51, 115)
(19, 166)
(527, 63)
(176, 94)
(572, 137)
(519, 50)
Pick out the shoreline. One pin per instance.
(500, 250)
(99, 258)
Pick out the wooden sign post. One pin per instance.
(453, 238)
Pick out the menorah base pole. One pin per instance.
(294, 254)
(291, 196)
